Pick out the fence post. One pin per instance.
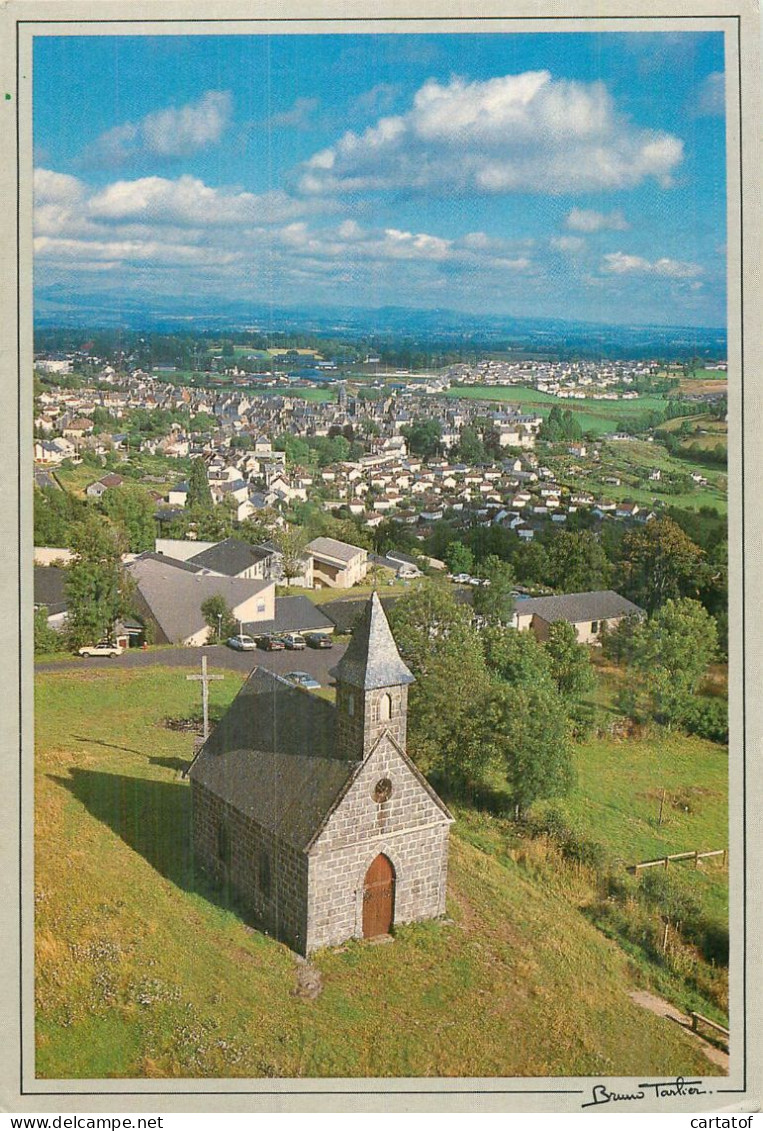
(696, 858)
(667, 861)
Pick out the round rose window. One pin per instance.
(383, 790)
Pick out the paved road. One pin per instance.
(313, 660)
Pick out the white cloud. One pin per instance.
(170, 133)
(162, 224)
(618, 263)
(297, 116)
(517, 133)
(570, 244)
(188, 200)
(56, 188)
(587, 220)
(711, 96)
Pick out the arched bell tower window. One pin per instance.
(385, 707)
(350, 704)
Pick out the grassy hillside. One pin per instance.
(141, 971)
(597, 416)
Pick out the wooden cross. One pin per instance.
(205, 681)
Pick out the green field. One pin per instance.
(632, 461)
(599, 417)
(143, 972)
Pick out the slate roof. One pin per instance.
(334, 549)
(257, 758)
(344, 613)
(372, 659)
(175, 591)
(231, 557)
(49, 583)
(167, 559)
(293, 614)
(577, 607)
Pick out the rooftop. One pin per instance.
(372, 659)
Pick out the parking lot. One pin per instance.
(316, 661)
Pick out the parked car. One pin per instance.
(102, 648)
(242, 642)
(272, 643)
(319, 640)
(303, 679)
(294, 641)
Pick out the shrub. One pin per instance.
(707, 718)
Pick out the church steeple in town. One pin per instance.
(372, 686)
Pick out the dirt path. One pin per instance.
(663, 1008)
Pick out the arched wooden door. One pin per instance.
(378, 898)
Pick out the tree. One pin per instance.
(97, 589)
(218, 615)
(517, 658)
(673, 650)
(423, 437)
(659, 563)
(577, 563)
(470, 447)
(131, 509)
(572, 674)
(55, 512)
(291, 542)
(46, 639)
(199, 494)
(525, 730)
(570, 661)
(259, 527)
(459, 558)
(214, 524)
(439, 644)
(495, 600)
(531, 564)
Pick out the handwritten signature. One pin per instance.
(661, 1089)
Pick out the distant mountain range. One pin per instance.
(55, 306)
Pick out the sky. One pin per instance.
(569, 175)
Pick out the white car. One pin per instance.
(242, 642)
(102, 648)
(294, 641)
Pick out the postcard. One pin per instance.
(380, 521)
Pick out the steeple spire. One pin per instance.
(371, 686)
(372, 660)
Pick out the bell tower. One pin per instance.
(371, 686)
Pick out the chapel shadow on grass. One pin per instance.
(154, 819)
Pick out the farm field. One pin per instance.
(599, 417)
(631, 461)
(76, 479)
(142, 971)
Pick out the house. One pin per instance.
(589, 613)
(337, 565)
(102, 485)
(235, 558)
(50, 593)
(169, 594)
(313, 814)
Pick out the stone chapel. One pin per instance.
(314, 814)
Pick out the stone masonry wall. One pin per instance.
(357, 732)
(409, 828)
(268, 875)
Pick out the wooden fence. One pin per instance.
(664, 861)
(697, 1018)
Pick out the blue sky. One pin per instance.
(577, 176)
